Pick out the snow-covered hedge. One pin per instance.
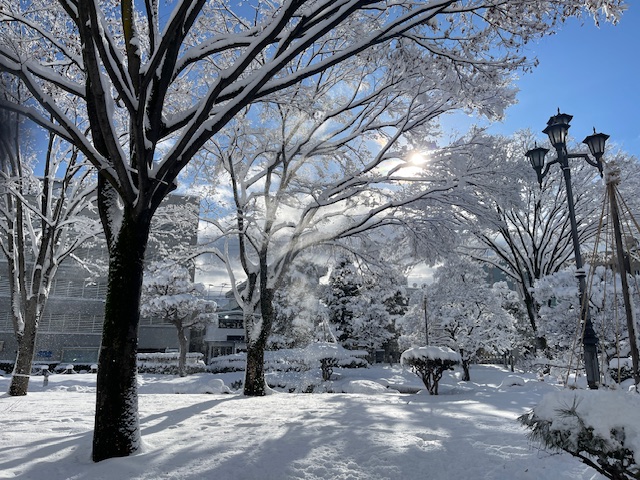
(296, 359)
(167, 363)
(429, 363)
(601, 428)
(236, 362)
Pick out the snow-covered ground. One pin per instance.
(467, 432)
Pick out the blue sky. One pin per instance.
(590, 72)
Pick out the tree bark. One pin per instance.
(254, 382)
(466, 375)
(26, 347)
(183, 348)
(117, 430)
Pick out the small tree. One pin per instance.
(344, 294)
(169, 293)
(429, 363)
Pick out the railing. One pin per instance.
(151, 321)
(6, 325)
(67, 289)
(60, 323)
(71, 323)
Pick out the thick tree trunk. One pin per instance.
(466, 375)
(182, 355)
(540, 343)
(26, 347)
(117, 430)
(531, 309)
(254, 381)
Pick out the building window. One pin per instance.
(80, 355)
(226, 322)
(220, 351)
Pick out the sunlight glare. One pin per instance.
(418, 158)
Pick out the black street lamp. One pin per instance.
(557, 129)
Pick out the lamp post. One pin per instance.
(557, 129)
(426, 319)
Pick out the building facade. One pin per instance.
(70, 329)
(225, 336)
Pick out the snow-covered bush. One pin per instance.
(429, 363)
(601, 428)
(620, 369)
(512, 381)
(328, 356)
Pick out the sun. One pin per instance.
(418, 158)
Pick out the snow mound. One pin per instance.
(73, 388)
(213, 386)
(191, 384)
(367, 387)
(217, 386)
(512, 381)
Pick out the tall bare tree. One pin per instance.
(44, 220)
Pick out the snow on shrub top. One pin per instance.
(167, 356)
(615, 363)
(429, 353)
(321, 350)
(604, 411)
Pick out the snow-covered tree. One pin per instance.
(299, 313)
(413, 326)
(44, 220)
(559, 311)
(512, 303)
(157, 85)
(362, 305)
(469, 315)
(343, 299)
(168, 292)
(526, 232)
